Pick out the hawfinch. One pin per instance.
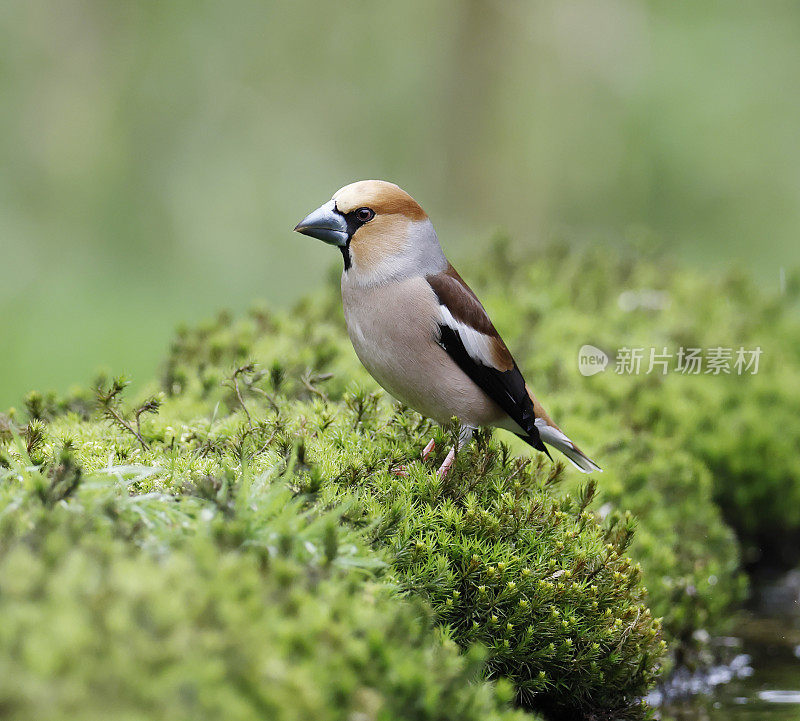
(417, 326)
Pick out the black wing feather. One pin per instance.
(506, 388)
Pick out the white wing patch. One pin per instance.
(477, 344)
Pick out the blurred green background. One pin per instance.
(154, 156)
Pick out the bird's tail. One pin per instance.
(553, 436)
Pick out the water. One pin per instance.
(761, 681)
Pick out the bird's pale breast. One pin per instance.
(393, 328)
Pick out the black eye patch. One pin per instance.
(356, 218)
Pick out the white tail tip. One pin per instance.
(552, 436)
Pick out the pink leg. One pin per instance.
(448, 461)
(426, 452)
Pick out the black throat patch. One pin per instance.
(346, 255)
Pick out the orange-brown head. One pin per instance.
(380, 229)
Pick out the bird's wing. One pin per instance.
(472, 341)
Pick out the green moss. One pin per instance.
(509, 555)
(504, 562)
(227, 602)
(553, 599)
(743, 428)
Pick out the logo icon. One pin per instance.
(591, 360)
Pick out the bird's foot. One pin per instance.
(444, 469)
(426, 452)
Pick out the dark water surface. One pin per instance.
(761, 681)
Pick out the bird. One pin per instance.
(419, 329)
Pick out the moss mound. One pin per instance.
(231, 603)
(533, 577)
(742, 427)
(507, 554)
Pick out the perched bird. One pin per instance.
(417, 326)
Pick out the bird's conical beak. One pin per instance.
(326, 224)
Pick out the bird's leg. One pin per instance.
(426, 452)
(464, 436)
(444, 469)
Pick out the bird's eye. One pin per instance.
(364, 215)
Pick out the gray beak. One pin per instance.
(326, 224)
